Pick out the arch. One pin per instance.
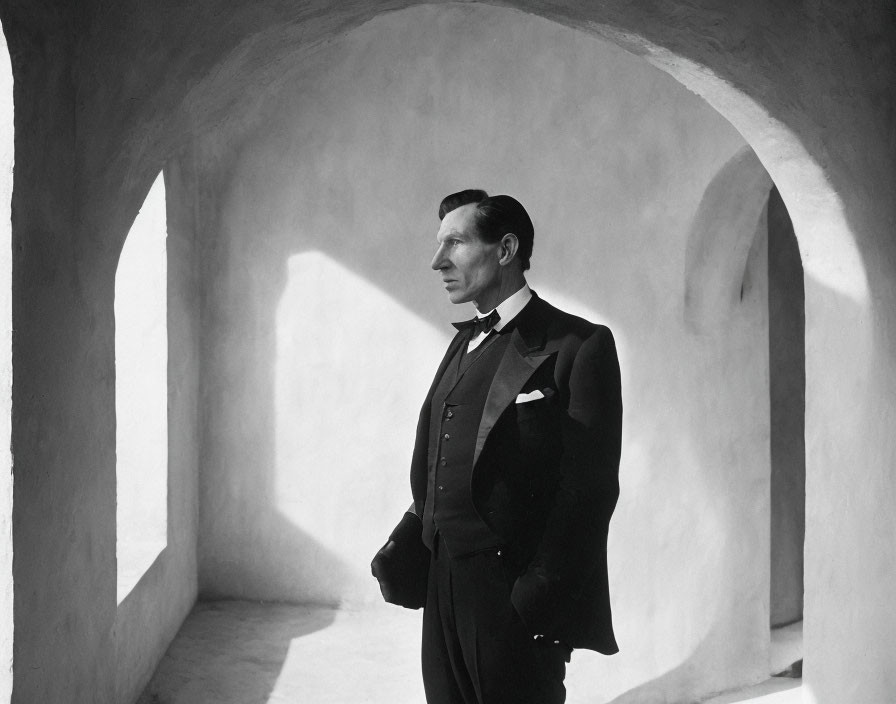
(236, 73)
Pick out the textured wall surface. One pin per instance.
(323, 323)
(72, 644)
(105, 94)
(63, 400)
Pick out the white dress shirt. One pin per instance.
(507, 309)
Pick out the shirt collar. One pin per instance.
(510, 307)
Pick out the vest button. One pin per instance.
(444, 461)
(446, 436)
(450, 414)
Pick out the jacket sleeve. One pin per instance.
(573, 544)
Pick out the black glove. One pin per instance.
(401, 566)
(534, 596)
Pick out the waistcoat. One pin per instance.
(457, 406)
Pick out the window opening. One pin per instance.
(141, 392)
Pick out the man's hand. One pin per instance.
(532, 596)
(379, 568)
(402, 564)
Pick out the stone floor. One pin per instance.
(247, 653)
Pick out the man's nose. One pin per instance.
(439, 261)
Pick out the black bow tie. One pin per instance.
(478, 325)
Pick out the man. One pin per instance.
(514, 477)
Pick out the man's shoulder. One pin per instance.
(573, 338)
(560, 324)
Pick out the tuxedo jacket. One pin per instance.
(545, 472)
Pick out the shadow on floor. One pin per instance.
(777, 690)
(231, 652)
(238, 652)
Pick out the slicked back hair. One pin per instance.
(495, 217)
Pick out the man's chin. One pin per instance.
(457, 297)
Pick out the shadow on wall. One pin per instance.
(275, 556)
(305, 516)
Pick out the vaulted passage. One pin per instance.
(709, 182)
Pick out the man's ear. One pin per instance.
(509, 246)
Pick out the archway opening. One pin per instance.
(787, 407)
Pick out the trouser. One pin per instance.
(476, 649)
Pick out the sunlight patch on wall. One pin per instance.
(141, 392)
(353, 366)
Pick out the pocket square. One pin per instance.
(531, 396)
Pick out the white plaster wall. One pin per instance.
(324, 324)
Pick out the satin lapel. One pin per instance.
(516, 366)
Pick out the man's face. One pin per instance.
(469, 266)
